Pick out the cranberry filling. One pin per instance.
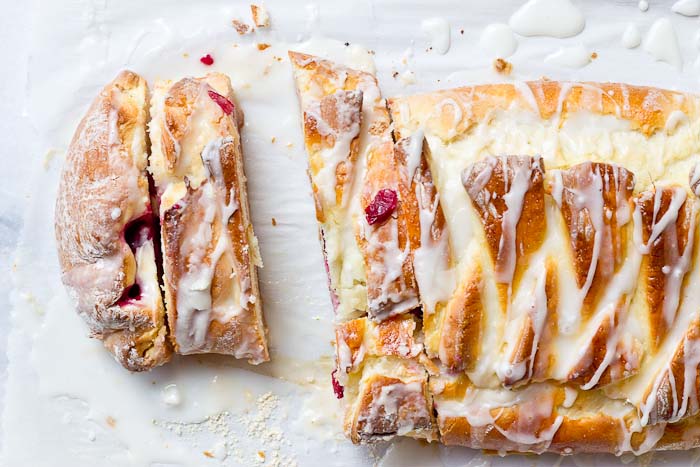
(225, 104)
(337, 387)
(136, 233)
(139, 231)
(208, 60)
(130, 295)
(382, 206)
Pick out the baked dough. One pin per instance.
(552, 239)
(105, 228)
(108, 234)
(369, 266)
(210, 253)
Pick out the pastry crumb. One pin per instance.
(261, 18)
(594, 55)
(240, 27)
(208, 454)
(273, 139)
(111, 421)
(274, 221)
(263, 46)
(502, 66)
(185, 55)
(261, 455)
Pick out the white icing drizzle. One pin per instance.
(345, 360)
(576, 56)
(688, 405)
(536, 400)
(590, 198)
(679, 264)
(498, 40)
(391, 299)
(661, 43)
(631, 38)
(695, 178)
(438, 31)
(652, 435)
(348, 130)
(435, 279)
(555, 18)
(456, 110)
(530, 300)
(514, 198)
(194, 302)
(687, 7)
(386, 406)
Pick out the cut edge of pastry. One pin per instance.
(105, 228)
(193, 192)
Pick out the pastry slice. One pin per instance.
(432, 266)
(356, 188)
(382, 378)
(106, 230)
(210, 252)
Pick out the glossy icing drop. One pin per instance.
(555, 18)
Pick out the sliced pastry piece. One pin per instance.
(381, 374)
(210, 252)
(106, 231)
(357, 189)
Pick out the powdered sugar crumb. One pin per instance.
(260, 425)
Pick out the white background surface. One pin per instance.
(58, 55)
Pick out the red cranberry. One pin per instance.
(138, 231)
(208, 60)
(225, 104)
(130, 295)
(382, 206)
(337, 387)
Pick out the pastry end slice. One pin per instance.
(105, 228)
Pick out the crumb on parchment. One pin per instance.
(240, 27)
(502, 66)
(261, 18)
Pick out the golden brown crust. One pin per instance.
(666, 250)
(647, 109)
(462, 323)
(488, 183)
(615, 185)
(104, 191)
